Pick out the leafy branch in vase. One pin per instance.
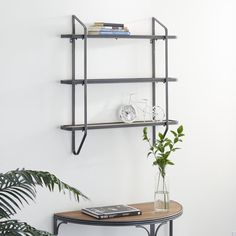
(163, 147)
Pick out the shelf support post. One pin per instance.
(166, 74)
(153, 77)
(74, 19)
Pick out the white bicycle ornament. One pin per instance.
(129, 113)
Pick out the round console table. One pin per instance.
(154, 220)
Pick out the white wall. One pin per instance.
(112, 167)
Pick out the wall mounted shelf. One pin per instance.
(111, 125)
(82, 36)
(118, 80)
(85, 126)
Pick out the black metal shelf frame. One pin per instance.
(118, 125)
(118, 80)
(82, 36)
(85, 81)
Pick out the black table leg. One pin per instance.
(57, 225)
(171, 228)
(55, 230)
(152, 230)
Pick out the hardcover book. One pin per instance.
(106, 28)
(109, 33)
(109, 24)
(106, 212)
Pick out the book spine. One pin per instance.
(109, 24)
(90, 214)
(114, 33)
(125, 214)
(104, 29)
(96, 28)
(114, 25)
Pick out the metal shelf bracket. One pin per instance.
(154, 21)
(74, 150)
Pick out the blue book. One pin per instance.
(114, 33)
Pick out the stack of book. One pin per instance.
(101, 28)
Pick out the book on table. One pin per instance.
(106, 212)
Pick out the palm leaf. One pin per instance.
(17, 186)
(16, 228)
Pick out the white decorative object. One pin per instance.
(127, 113)
(139, 109)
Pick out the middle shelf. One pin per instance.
(119, 80)
(117, 125)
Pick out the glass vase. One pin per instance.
(161, 194)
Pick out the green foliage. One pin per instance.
(18, 187)
(16, 228)
(163, 147)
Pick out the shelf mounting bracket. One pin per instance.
(74, 20)
(154, 20)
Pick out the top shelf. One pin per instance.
(81, 36)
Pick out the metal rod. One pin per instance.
(152, 230)
(166, 75)
(158, 227)
(57, 226)
(117, 125)
(73, 85)
(85, 80)
(118, 80)
(153, 76)
(171, 228)
(156, 37)
(76, 152)
(143, 227)
(55, 230)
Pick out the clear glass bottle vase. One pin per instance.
(161, 194)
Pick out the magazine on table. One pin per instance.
(106, 212)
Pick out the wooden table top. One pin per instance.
(149, 216)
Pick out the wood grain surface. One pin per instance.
(148, 215)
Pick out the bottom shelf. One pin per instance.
(112, 125)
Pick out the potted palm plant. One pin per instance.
(18, 187)
(161, 151)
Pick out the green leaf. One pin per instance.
(174, 133)
(17, 186)
(170, 162)
(16, 228)
(145, 136)
(167, 143)
(176, 140)
(167, 154)
(174, 149)
(161, 136)
(180, 130)
(149, 154)
(161, 148)
(155, 162)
